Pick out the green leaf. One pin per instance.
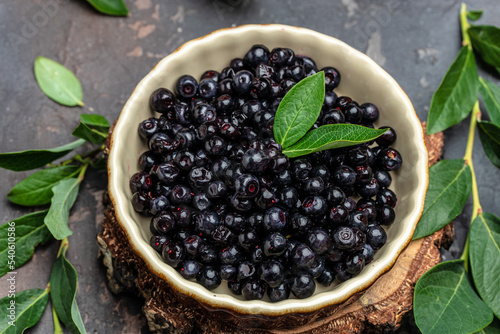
(29, 308)
(110, 7)
(445, 301)
(493, 328)
(474, 15)
(63, 285)
(36, 189)
(31, 159)
(486, 40)
(332, 136)
(299, 110)
(450, 184)
(65, 193)
(93, 128)
(58, 83)
(484, 253)
(29, 231)
(455, 96)
(489, 134)
(491, 98)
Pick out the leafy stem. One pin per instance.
(465, 26)
(63, 247)
(57, 323)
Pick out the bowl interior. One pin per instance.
(362, 79)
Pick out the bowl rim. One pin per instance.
(228, 302)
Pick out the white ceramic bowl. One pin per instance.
(362, 79)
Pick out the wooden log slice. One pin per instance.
(379, 308)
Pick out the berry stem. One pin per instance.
(63, 247)
(464, 24)
(476, 205)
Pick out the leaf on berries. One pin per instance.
(36, 189)
(445, 301)
(92, 128)
(486, 40)
(31, 159)
(29, 231)
(29, 307)
(474, 15)
(299, 110)
(63, 285)
(484, 256)
(58, 83)
(489, 134)
(456, 95)
(110, 7)
(65, 193)
(332, 136)
(450, 185)
(491, 98)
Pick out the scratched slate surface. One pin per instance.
(415, 41)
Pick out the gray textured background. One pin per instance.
(415, 41)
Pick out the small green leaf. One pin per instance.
(36, 189)
(486, 40)
(445, 301)
(489, 134)
(450, 185)
(299, 109)
(332, 136)
(29, 231)
(63, 285)
(99, 163)
(110, 7)
(96, 122)
(65, 193)
(31, 159)
(90, 135)
(474, 15)
(491, 98)
(493, 328)
(58, 83)
(29, 307)
(456, 95)
(484, 241)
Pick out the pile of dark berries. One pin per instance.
(227, 204)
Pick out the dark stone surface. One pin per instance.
(415, 41)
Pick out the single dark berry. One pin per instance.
(344, 176)
(314, 185)
(385, 215)
(228, 272)
(247, 186)
(206, 221)
(201, 201)
(342, 273)
(353, 114)
(274, 219)
(202, 159)
(388, 138)
(241, 81)
(216, 146)
(161, 143)
(141, 202)
(162, 100)
(383, 178)
(208, 254)
(332, 78)
(301, 224)
(147, 160)
(288, 197)
(301, 169)
(148, 128)
(321, 171)
(241, 204)
(180, 194)
(355, 262)
(358, 219)
(254, 161)
(274, 244)
(223, 235)
(303, 285)
(388, 197)
(207, 88)
(364, 174)
(253, 290)
(368, 253)
(330, 100)
(158, 241)
(235, 221)
(248, 238)
(193, 244)
(200, 177)
(389, 159)
(370, 112)
(302, 256)
(319, 240)
(256, 55)
(335, 196)
(314, 206)
(141, 181)
(158, 203)
(343, 237)
(189, 269)
(216, 189)
(246, 270)
(231, 255)
(210, 74)
(328, 276)
(368, 189)
(208, 277)
(183, 215)
(279, 57)
(184, 159)
(235, 287)
(338, 214)
(186, 87)
(260, 88)
(203, 112)
(376, 236)
(173, 253)
(279, 293)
